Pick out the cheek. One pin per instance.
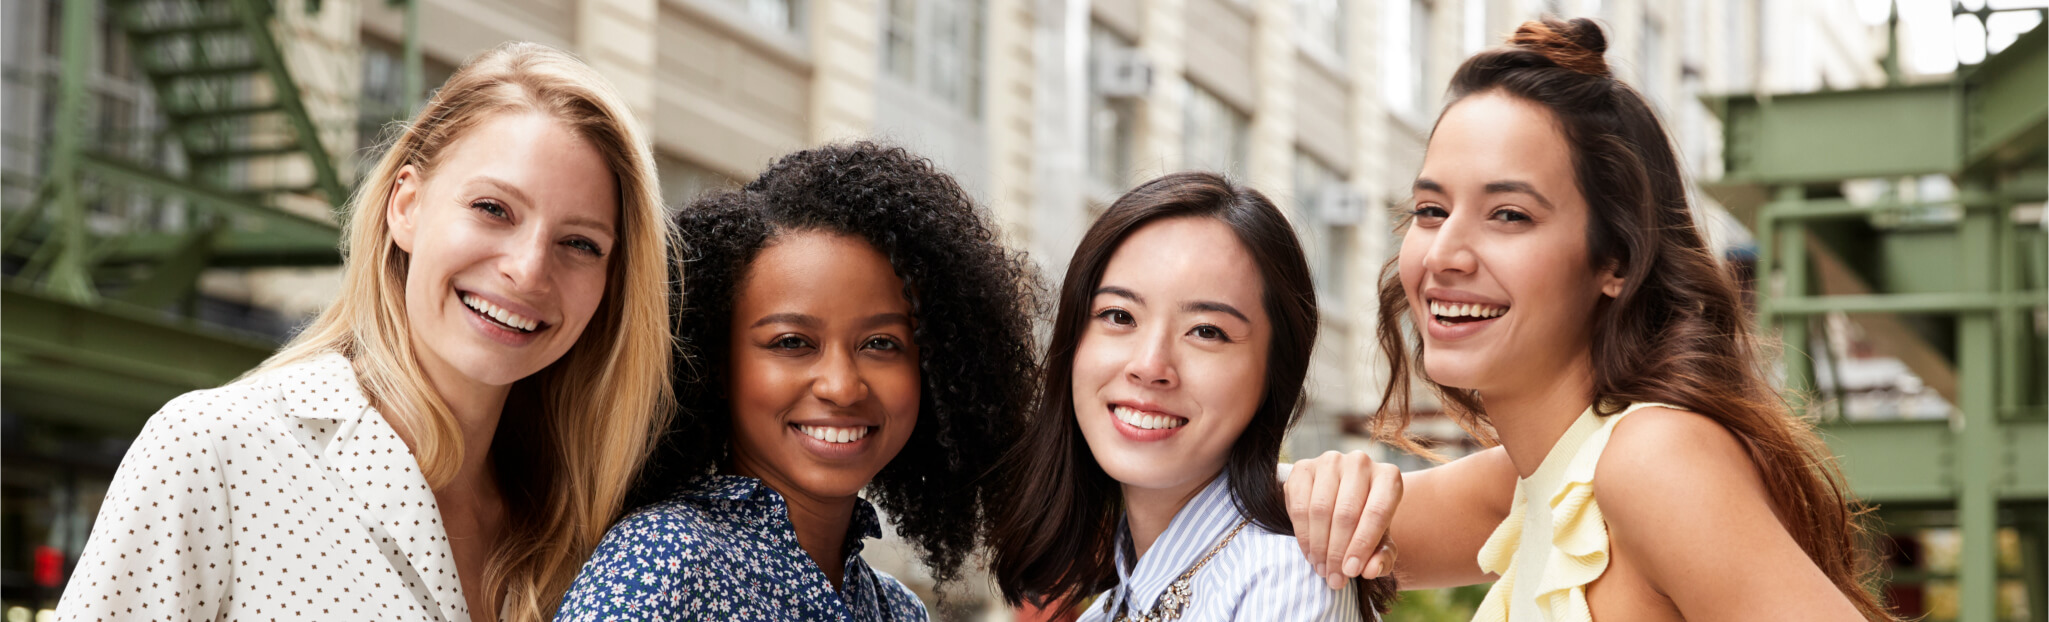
(760, 390)
(1095, 364)
(897, 387)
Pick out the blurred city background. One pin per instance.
(1874, 171)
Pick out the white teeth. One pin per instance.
(495, 312)
(1445, 309)
(833, 434)
(1145, 421)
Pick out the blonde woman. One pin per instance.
(450, 439)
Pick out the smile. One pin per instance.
(834, 434)
(1145, 420)
(511, 321)
(1454, 313)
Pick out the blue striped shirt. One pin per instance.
(1260, 575)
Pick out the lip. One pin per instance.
(1138, 434)
(1439, 331)
(1461, 297)
(834, 452)
(491, 329)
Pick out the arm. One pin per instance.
(1342, 505)
(1685, 505)
(159, 549)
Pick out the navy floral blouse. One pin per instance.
(724, 549)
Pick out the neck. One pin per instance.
(1530, 419)
(477, 408)
(821, 522)
(1148, 511)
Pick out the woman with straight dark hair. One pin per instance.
(1176, 366)
(1563, 304)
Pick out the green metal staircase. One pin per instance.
(103, 265)
(1955, 288)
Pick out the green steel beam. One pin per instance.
(1904, 303)
(1843, 209)
(231, 249)
(1977, 425)
(1890, 462)
(108, 359)
(1831, 136)
(2006, 100)
(68, 269)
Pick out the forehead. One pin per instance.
(823, 274)
(1189, 258)
(1492, 136)
(540, 158)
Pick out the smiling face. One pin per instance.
(1495, 264)
(823, 373)
(508, 241)
(1172, 362)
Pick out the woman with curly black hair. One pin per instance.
(850, 322)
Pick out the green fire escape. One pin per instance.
(104, 264)
(1954, 288)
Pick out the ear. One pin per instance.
(1611, 282)
(402, 210)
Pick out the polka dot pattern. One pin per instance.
(284, 496)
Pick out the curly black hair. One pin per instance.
(972, 301)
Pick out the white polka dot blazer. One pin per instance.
(284, 496)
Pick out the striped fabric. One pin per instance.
(1260, 575)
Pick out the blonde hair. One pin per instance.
(582, 425)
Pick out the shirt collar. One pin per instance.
(323, 386)
(740, 488)
(1189, 536)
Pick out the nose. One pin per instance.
(525, 262)
(837, 380)
(1152, 363)
(1451, 248)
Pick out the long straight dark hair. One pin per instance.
(1677, 333)
(1053, 541)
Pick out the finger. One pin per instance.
(1296, 493)
(1380, 565)
(1355, 475)
(1322, 499)
(1379, 506)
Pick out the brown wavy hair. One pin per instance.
(1678, 332)
(1052, 543)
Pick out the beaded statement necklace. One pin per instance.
(1181, 591)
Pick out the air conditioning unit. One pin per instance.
(1338, 203)
(1122, 72)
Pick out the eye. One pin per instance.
(490, 207)
(1208, 332)
(789, 342)
(1510, 216)
(883, 344)
(586, 246)
(1429, 214)
(1116, 317)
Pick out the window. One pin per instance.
(1322, 25)
(1326, 234)
(782, 15)
(1407, 36)
(1214, 134)
(936, 47)
(383, 99)
(1111, 120)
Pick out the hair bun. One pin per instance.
(1577, 44)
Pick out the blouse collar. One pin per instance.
(1189, 536)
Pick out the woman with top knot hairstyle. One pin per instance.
(1553, 290)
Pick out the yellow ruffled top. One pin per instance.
(1579, 536)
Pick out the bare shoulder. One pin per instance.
(1662, 461)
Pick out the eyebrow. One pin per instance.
(1216, 307)
(811, 321)
(1506, 186)
(521, 197)
(1198, 306)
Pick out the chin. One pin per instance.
(1456, 370)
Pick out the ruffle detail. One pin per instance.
(1579, 540)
